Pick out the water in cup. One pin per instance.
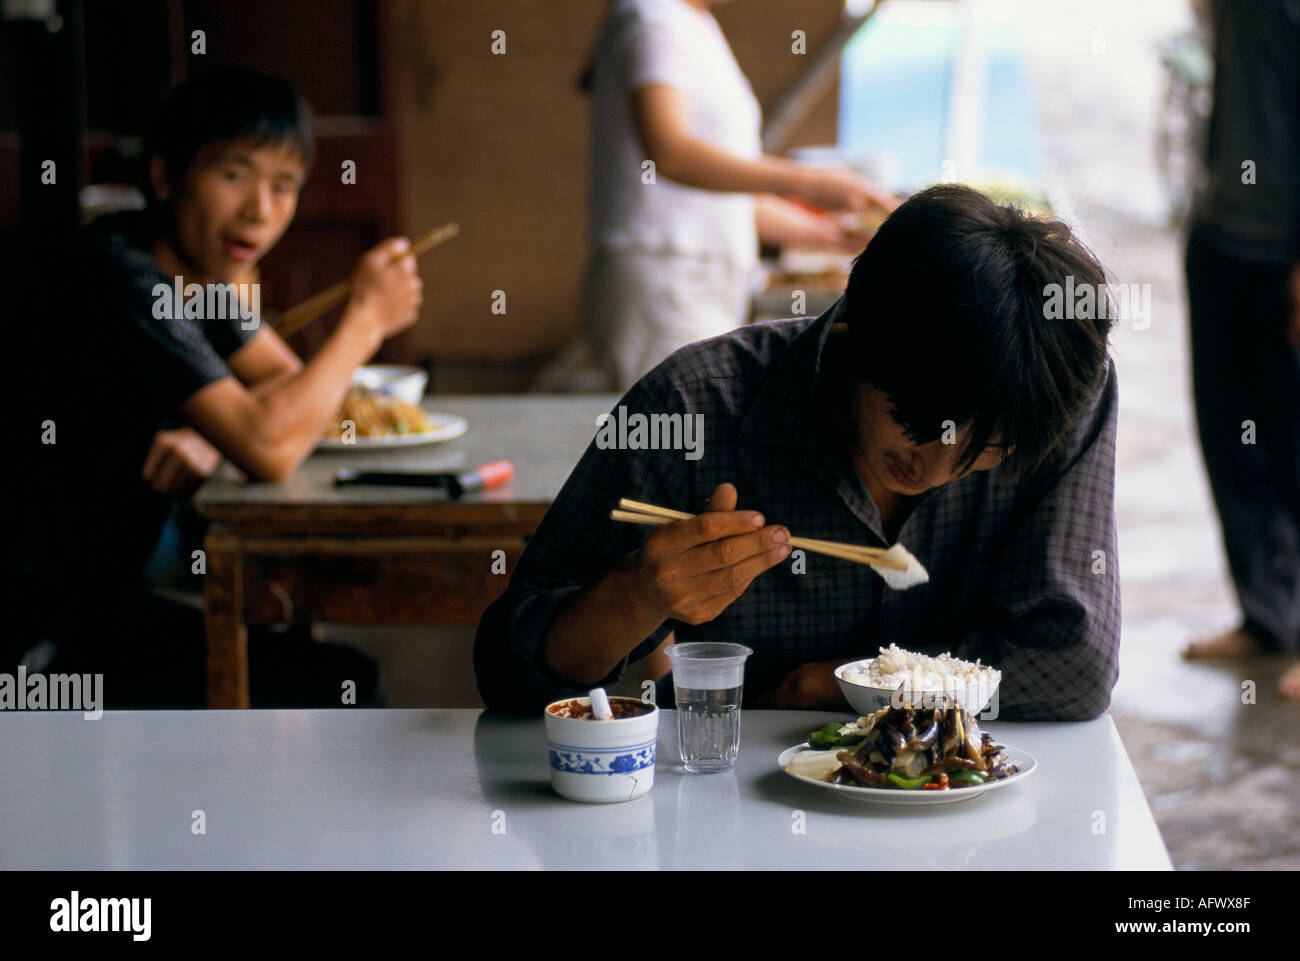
(708, 728)
(708, 678)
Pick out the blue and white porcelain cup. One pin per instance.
(602, 761)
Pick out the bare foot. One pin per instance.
(1234, 643)
(1289, 686)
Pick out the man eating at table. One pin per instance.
(949, 400)
(157, 389)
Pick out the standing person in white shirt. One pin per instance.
(682, 191)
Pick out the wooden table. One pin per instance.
(304, 550)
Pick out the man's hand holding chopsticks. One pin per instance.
(692, 570)
(386, 287)
(688, 570)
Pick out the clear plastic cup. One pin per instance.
(708, 678)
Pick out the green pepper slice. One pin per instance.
(909, 783)
(828, 736)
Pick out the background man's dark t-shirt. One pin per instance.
(112, 375)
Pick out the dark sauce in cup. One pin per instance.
(620, 706)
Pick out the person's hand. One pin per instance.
(842, 189)
(830, 234)
(179, 461)
(692, 570)
(809, 687)
(390, 293)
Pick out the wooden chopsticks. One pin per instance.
(636, 512)
(300, 315)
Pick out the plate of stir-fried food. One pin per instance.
(372, 418)
(907, 756)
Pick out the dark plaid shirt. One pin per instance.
(1023, 575)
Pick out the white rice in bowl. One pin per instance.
(920, 672)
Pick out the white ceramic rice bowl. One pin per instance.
(974, 698)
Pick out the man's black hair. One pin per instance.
(227, 104)
(948, 313)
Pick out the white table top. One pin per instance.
(413, 789)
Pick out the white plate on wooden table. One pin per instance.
(804, 764)
(445, 427)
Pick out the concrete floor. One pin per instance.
(1222, 776)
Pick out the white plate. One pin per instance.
(809, 763)
(445, 427)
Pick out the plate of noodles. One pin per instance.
(371, 419)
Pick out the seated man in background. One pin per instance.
(944, 401)
(151, 392)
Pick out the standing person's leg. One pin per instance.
(576, 367)
(1280, 382)
(1286, 463)
(1245, 387)
(652, 304)
(615, 315)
